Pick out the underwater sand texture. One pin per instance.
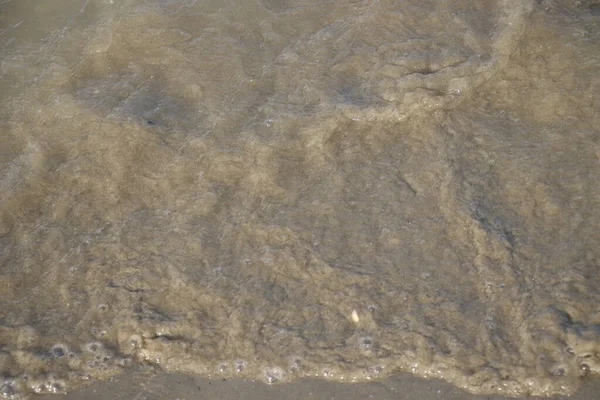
(278, 190)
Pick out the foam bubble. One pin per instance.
(274, 375)
(223, 368)
(46, 385)
(59, 350)
(97, 357)
(240, 366)
(376, 369)
(10, 389)
(295, 365)
(559, 370)
(327, 373)
(366, 343)
(131, 344)
(93, 347)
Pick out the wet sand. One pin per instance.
(150, 386)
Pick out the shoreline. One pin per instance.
(140, 385)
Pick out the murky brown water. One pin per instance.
(280, 189)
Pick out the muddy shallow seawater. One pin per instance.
(275, 190)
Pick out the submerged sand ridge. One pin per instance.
(274, 191)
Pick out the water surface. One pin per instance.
(277, 190)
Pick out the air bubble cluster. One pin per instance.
(96, 355)
(47, 385)
(240, 366)
(19, 387)
(10, 389)
(45, 368)
(274, 375)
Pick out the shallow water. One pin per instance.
(275, 190)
